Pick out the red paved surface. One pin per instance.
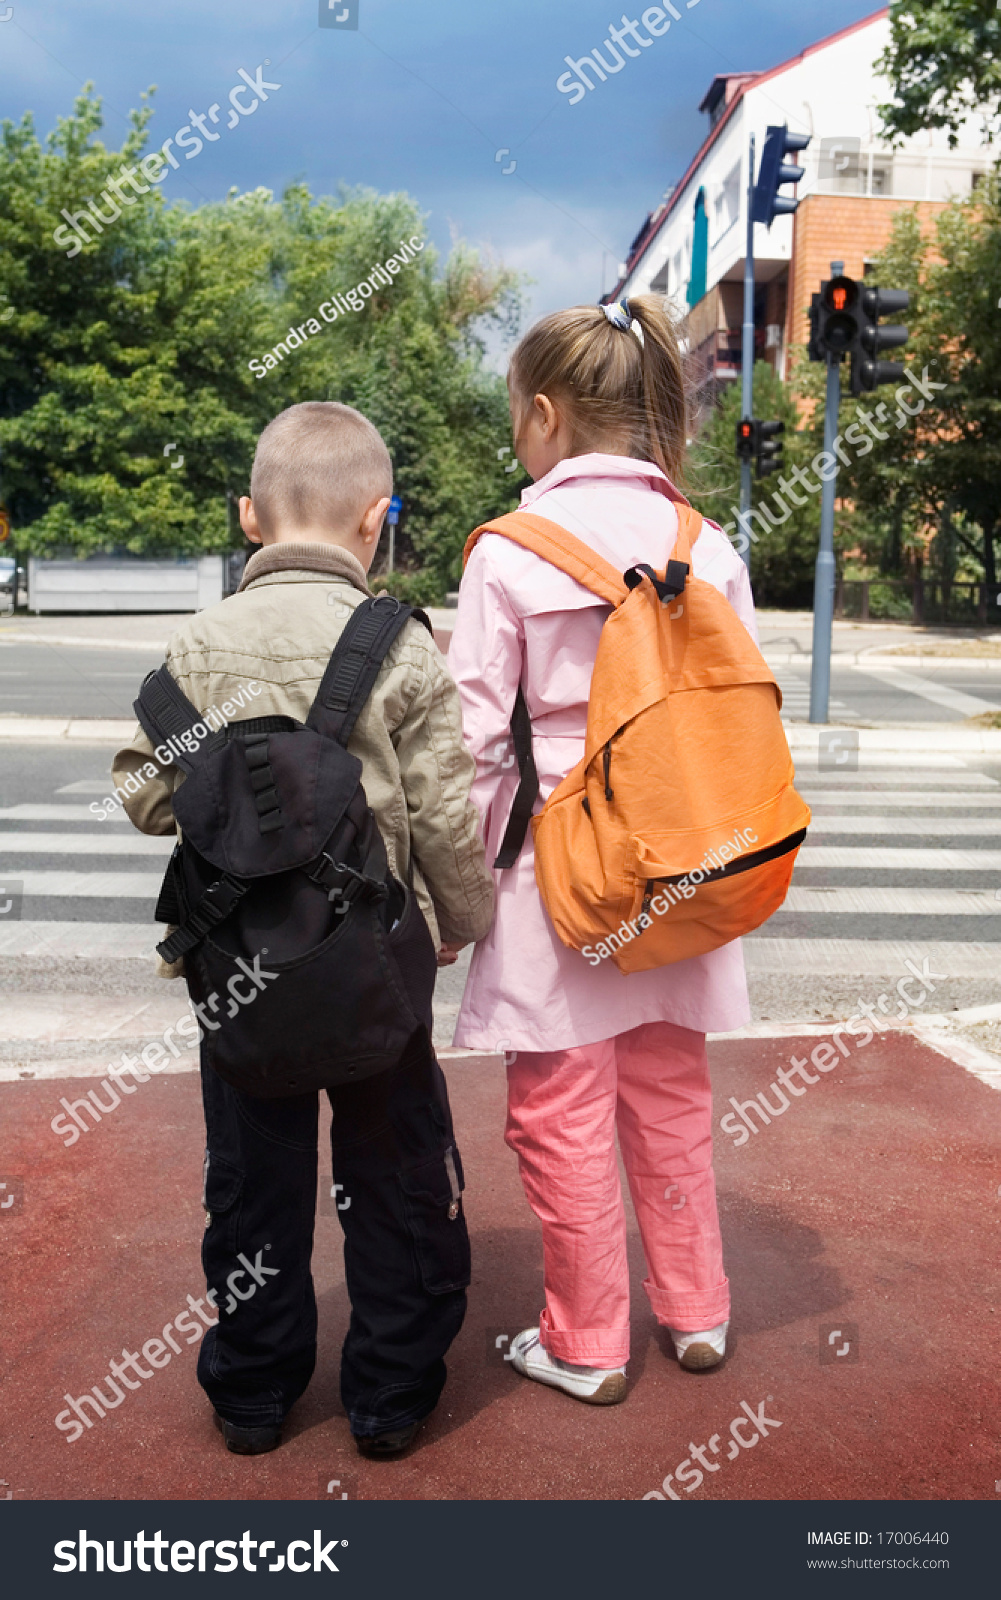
(872, 1201)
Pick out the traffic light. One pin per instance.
(838, 321)
(769, 451)
(868, 372)
(844, 321)
(747, 439)
(767, 203)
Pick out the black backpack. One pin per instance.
(309, 964)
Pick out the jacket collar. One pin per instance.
(596, 465)
(304, 556)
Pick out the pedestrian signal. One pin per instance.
(747, 439)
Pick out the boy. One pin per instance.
(320, 488)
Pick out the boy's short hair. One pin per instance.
(318, 464)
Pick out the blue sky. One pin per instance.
(420, 98)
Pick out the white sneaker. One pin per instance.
(598, 1386)
(698, 1351)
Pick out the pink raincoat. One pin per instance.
(522, 620)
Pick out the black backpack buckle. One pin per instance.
(344, 884)
(219, 899)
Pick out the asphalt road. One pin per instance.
(94, 666)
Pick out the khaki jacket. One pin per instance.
(271, 642)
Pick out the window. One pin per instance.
(727, 203)
(882, 176)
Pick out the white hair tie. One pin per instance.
(619, 317)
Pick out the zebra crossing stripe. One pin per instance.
(885, 858)
(867, 901)
(86, 844)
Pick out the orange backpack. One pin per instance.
(679, 828)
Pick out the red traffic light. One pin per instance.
(840, 294)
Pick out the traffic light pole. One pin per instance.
(747, 357)
(823, 581)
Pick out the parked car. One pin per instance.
(8, 585)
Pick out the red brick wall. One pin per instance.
(839, 227)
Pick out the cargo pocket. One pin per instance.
(221, 1192)
(432, 1204)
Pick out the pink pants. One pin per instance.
(564, 1106)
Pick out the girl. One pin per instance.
(598, 416)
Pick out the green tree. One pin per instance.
(783, 535)
(143, 338)
(943, 62)
(947, 463)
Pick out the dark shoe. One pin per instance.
(380, 1445)
(248, 1441)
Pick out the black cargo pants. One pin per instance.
(406, 1249)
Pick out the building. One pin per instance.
(692, 247)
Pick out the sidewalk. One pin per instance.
(865, 1219)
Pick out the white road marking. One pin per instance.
(906, 858)
(895, 799)
(970, 705)
(865, 957)
(86, 786)
(56, 813)
(867, 779)
(116, 941)
(869, 902)
(92, 885)
(929, 827)
(871, 761)
(85, 844)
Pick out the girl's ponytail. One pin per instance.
(619, 384)
(663, 384)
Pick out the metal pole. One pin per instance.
(392, 546)
(747, 357)
(823, 581)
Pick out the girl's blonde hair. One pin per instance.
(608, 386)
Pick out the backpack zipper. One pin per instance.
(745, 863)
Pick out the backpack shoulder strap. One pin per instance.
(689, 528)
(355, 661)
(560, 548)
(163, 709)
